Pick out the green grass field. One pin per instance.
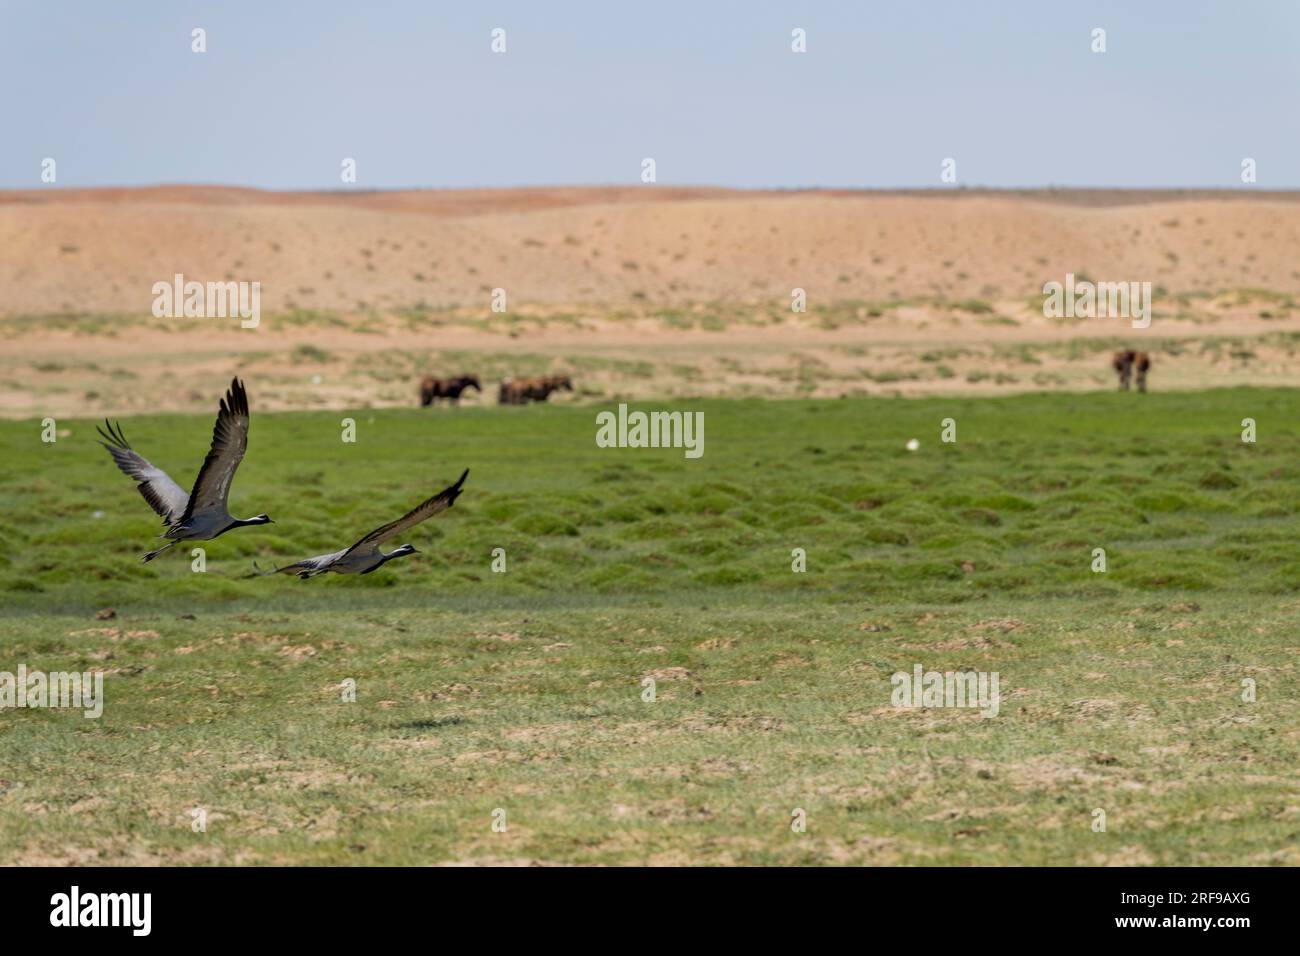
(522, 691)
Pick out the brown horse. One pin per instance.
(432, 389)
(1124, 362)
(521, 391)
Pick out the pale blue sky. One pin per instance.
(709, 89)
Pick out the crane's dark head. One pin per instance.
(260, 519)
(404, 550)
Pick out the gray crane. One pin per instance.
(201, 515)
(365, 556)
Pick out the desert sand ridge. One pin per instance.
(100, 251)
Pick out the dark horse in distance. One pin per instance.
(1125, 362)
(521, 391)
(432, 389)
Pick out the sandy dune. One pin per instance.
(102, 251)
(644, 292)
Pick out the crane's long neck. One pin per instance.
(247, 522)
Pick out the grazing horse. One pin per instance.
(1124, 362)
(521, 391)
(432, 389)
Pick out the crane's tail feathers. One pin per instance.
(300, 568)
(294, 568)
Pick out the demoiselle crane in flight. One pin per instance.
(202, 514)
(365, 556)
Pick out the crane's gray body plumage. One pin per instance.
(365, 556)
(202, 514)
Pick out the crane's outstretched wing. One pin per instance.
(421, 512)
(229, 441)
(164, 495)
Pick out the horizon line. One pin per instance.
(651, 187)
